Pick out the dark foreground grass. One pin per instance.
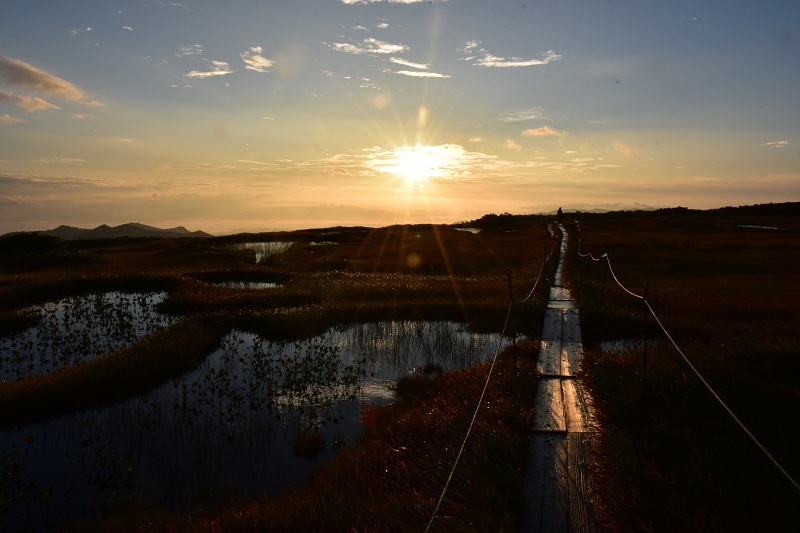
(670, 458)
(392, 480)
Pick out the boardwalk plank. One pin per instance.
(571, 353)
(574, 408)
(545, 493)
(571, 326)
(549, 362)
(549, 413)
(581, 513)
(551, 330)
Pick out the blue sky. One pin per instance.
(249, 114)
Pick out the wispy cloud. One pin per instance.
(522, 115)
(8, 119)
(216, 68)
(364, 2)
(625, 150)
(369, 46)
(776, 144)
(28, 103)
(25, 75)
(75, 32)
(421, 74)
(190, 50)
(475, 140)
(255, 61)
(57, 160)
(511, 144)
(127, 28)
(401, 61)
(544, 131)
(478, 55)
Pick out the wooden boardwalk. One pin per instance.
(557, 485)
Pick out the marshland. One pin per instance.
(324, 379)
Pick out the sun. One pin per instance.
(417, 164)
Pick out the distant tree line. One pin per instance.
(505, 221)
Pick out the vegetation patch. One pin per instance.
(670, 458)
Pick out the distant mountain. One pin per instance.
(104, 231)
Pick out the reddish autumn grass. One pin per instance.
(670, 457)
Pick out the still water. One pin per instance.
(228, 427)
(79, 329)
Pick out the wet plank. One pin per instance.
(549, 413)
(581, 511)
(549, 362)
(571, 353)
(571, 326)
(551, 330)
(560, 293)
(575, 414)
(545, 499)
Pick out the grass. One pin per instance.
(670, 457)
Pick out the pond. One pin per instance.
(78, 329)
(228, 427)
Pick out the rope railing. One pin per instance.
(696, 372)
(485, 388)
(722, 402)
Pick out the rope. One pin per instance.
(618, 282)
(538, 277)
(472, 422)
(722, 402)
(698, 374)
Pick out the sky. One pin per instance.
(249, 115)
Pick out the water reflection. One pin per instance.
(263, 250)
(78, 329)
(228, 425)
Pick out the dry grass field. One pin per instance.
(726, 286)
